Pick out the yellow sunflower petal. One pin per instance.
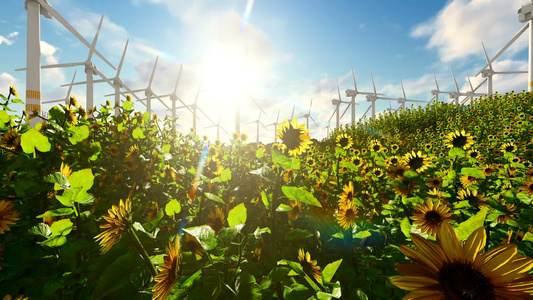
(449, 241)
(474, 244)
(430, 250)
(499, 261)
(412, 269)
(412, 283)
(424, 294)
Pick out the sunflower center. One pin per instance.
(343, 142)
(416, 163)
(433, 217)
(459, 141)
(460, 281)
(509, 149)
(350, 214)
(291, 138)
(376, 148)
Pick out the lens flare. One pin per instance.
(247, 13)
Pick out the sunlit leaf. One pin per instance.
(61, 227)
(466, 228)
(473, 172)
(281, 160)
(406, 227)
(138, 133)
(330, 270)
(80, 134)
(214, 197)
(65, 211)
(33, 140)
(172, 207)
(58, 178)
(300, 194)
(298, 234)
(83, 179)
(237, 215)
(205, 235)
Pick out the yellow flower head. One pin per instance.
(8, 216)
(344, 141)
(169, 270)
(430, 216)
(459, 139)
(118, 223)
(294, 136)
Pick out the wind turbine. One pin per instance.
(337, 103)
(488, 71)
(275, 124)
(327, 129)
(194, 107)
(472, 93)
(404, 99)
(174, 97)
(33, 49)
(353, 93)
(373, 97)
(218, 126)
(307, 116)
(258, 121)
(90, 68)
(67, 98)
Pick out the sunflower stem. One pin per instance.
(142, 252)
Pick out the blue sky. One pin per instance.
(282, 53)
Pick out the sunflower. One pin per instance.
(13, 91)
(467, 180)
(309, 266)
(488, 170)
(508, 147)
(472, 153)
(377, 172)
(527, 187)
(169, 270)
(344, 141)
(375, 146)
(459, 139)
(73, 101)
(450, 270)
(296, 209)
(20, 297)
(473, 197)
(193, 244)
(430, 216)
(392, 160)
(119, 221)
(70, 116)
(416, 161)
(7, 215)
(235, 136)
(11, 140)
(287, 175)
(310, 162)
(357, 161)
(405, 187)
(434, 182)
(347, 214)
(294, 136)
(347, 193)
(397, 171)
(507, 215)
(134, 150)
(130, 163)
(216, 220)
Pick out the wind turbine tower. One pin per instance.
(525, 14)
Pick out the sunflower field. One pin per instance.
(430, 203)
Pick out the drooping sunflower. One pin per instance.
(347, 193)
(527, 187)
(430, 216)
(416, 161)
(216, 220)
(287, 175)
(459, 139)
(8, 216)
(347, 214)
(397, 171)
(434, 182)
(344, 141)
(13, 91)
(193, 244)
(70, 116)
(11, 140)
(467, 180)
(294, 213)
(130, 163)
(309, 266)
(294, 136)
(473, 197)
(119, 222)
(169, 270)
(450, 270)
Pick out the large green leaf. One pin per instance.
(300, 194)
(33, 140)
(65, 211)
(465, 229)
(172, 207)
(83, 179)
(224, 176)
(80, 134)
(406, 227)
(330, 270)
(473, 172)
(138, 133)
(237, 215)
(226, 235)
(58, 178)
(4, 117)
(246, 287)
(116, 276)
(75, 194)
(214, 197)
(205, 235)
(61, 227)
(280, 159)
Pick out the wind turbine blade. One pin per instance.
(373, 84)
(263, 126)
(178, 81)
(277, 119)
(311, 104)
(313, 120)
(65, 65)
(354, 84)
(205, 115)
(104, 77)
(257, 104)
(71, 84)
(470, 82)
(122, 58)
(486, 57)
(454, 80)
(69, 27)
(162, 102)
(436, 83)
(95, 39)
(338, 89)
(337, 108)
(370, 106)
(348, 106)
(197, 94)
(403, 90)
(223, 129)
(516, 36)
(292, 114)
(153, 72)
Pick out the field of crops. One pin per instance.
(94, 206)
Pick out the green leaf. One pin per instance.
(79, 134)
(298, 234)
(296, 292)
(139, 227)
(83, 179)
(61, 227)
(138, 133)
(246, 286)
(65, 211)
(406, 227)
(473, 172)
(58, 178)
(187, 285)
(205, 235)
(127, 105)
(329, 271)
(214, 197)
(300, 194)
(54, 241)
(266, 201)
(172, 207)
(237, 215)
(75, 194)
(41, 229)
(224, 176)
(33, 139)
(456, 153)
(465, 229)
(259, 231)
(410, 174)
(117, 275)
(4, 116)
(281, 160)
(362, 234)
(528, 237)
(226, 235)
(296, 267)
(283, 208)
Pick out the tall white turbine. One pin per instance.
(33, 60)
(353, 93)
(174, 97)
(337, 103)
(218, 126)
(307, 116)
(525, 14)
(67, 98)
(404, 99)
(194, 108)
(275, 124)
(258, 121)
(373, 97)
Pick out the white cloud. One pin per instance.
(6, 80)
(8, 40)
(458, 30)
(54, 76)
(48, 51)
